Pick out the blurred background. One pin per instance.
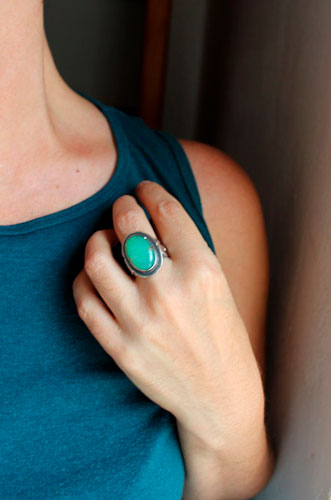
(253, 79)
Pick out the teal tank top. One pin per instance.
(72, 425)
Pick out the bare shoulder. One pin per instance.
(233, 213)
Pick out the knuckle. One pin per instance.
(165, 302)
(205, 270)
(118, 347)
(95, 260)
(138, 322)
(169, 208)
(128, 219)
(84, 310)
(129, 360)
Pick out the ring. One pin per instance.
(143, 254)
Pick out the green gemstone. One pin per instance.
(140, 252)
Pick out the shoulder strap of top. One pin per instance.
(159, 156)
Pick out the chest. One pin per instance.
(50, 190)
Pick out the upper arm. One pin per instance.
(234, 217)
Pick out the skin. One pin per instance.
(234, 216)
(201, 319)
(176, 335)
(63, 148)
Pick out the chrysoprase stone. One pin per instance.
(140, 252)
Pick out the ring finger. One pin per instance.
(129, 217)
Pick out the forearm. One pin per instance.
(226, 474)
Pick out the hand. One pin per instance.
(177, 335)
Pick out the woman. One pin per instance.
(116, 384)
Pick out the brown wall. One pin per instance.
(266, 100)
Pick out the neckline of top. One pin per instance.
(96, 199)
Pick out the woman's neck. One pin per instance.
(56, 147)
(36, 105)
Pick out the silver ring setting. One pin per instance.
(143, 254)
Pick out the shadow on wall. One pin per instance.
(97, 45)
(265, 100)
(220, 28)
